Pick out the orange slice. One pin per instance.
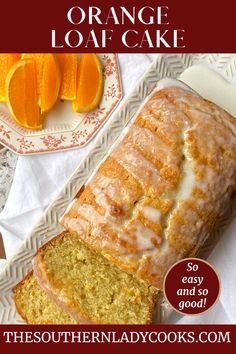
(89, 84)
(6, 62)
(48, 79)
(68, 65)
(21, 94)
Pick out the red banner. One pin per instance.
(117, 26)
(118, 339)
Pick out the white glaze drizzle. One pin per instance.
(139, 167)
(151, 213)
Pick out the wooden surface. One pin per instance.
(2, 251)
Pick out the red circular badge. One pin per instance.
(191, 286)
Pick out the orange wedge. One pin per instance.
(6, 62)
(21, 94)
(89, 84)
(48, 79)
(68, 65)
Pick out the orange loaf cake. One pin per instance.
(156, 197)
(89, 288)
(34, 305)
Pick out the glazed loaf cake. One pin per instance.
(85, 285)
(34, 305)
(156, 197)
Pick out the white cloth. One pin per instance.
(39, 178)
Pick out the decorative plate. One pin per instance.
(64, 129)
(169, 65)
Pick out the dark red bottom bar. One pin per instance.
(118, 339)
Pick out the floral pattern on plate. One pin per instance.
(65, 129)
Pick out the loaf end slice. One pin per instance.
(87, 286)
(34, 305)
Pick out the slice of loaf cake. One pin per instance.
(88, 287)
(34, 305)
